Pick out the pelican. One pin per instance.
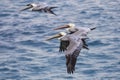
(39, 8)
(81, 31)
(71, 28)
(63, 43)
(71, 45)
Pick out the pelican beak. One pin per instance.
(62, 27)
(93, 28)
(27, 7)
(54, 36)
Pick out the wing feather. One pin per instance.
(63, 45)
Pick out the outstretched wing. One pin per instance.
(63, 45)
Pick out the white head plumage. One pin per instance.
(62, 33)
(71, 25)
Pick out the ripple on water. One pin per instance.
(32, 43)
(102, 56)
(4, 69)
(111, 68)
(2, 47)
(84, 65)
(4, 15)
(97, 43)
(20, 50)
(24, 58)
(90, 72)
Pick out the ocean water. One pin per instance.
(25, 55)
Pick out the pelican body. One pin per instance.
(73, 43)
(40, 8)
(81, 31)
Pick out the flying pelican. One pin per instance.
(74, 42)
(81, 31)
(71, 45)
(71, 28)
(40, 8)
(63, 43)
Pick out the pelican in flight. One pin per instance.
(63, 43)
(71, 45)
(40, 8)
(81, 31)
(71, 28)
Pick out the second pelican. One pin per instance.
(71, 45)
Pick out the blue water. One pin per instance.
(25, 55)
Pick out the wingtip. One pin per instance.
(70, 64)
(93, 28)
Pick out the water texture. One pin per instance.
(25, 55)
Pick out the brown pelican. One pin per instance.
(71, 45)
(71, 28)
(81, 31)
(40, 8)
(63, 44)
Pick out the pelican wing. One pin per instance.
(77, 51)
(72, 60)
(63, 45)
(72, 53)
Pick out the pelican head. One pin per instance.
(28, 6)
(59, 35)
(69, 26)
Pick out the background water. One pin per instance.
(25, 55)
